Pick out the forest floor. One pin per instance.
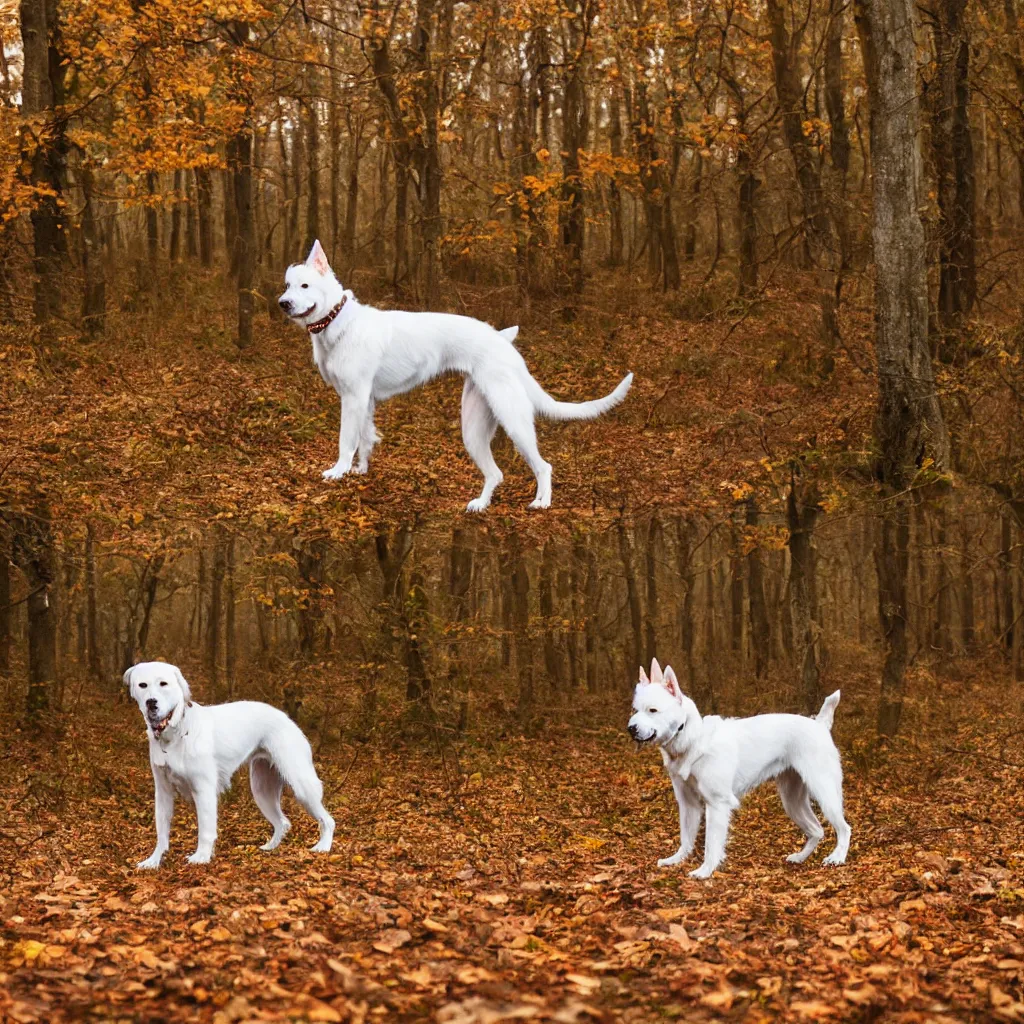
(518, 881)
(163, 422)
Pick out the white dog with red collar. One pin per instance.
(368, 355)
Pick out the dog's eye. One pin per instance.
(142, 686)
(305, 286)
(163, 683)
(652, 711)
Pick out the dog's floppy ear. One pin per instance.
(127, 677)
(643, 676)
(672, 684)
(656, 676)
(182, 682)
(317, 259)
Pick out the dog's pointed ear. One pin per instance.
(656, 676)
(182, 682)
(672, 684)
(127, 677)
(643, 676)
(317, 259)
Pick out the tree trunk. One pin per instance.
(802, 515)
(312, 120)
(954, 170)
(33, 550)
(94, 292)
(6, 616)
(520, 620)
(245, 261)
(748, 225)
(553, 660)
(760, 627)
(204, 211)
(44, 148)
(652, 555)
(574, 139)
(909, 426)
(615, 241)
(91, 619)
(821, 239)
(213, 622)
(627, 552)
(229, 617)
(175, 249)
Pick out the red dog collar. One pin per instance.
(320, 326)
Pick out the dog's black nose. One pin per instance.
(633, 731)
(151, 703)
(285, 304)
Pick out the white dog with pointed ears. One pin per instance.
(195, 750)
(714, 761)
(368, 355)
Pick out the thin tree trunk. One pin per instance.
(954, 164)
(627, 552)
(760, 627)
(204, 211)
(43, 147)
(214, 621)
(802, 515)
(245, 261)
(651, 624)
(175, 249)
(615, 241)
(94, 292)
(6, 616)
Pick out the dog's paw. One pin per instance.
(199, 858)
(702, 872)
(361, 469)
(796, 858)
(670, 862)
(832, 861)
(478, 505)
(541, 502)
(324, 846)
(149, 864)
(334, 473)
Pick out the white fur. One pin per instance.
(195, 750)
(714, 761)
(368, 355)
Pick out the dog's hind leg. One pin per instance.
(826, 790)
(797, 804)
(478, 427)
(513, 409)
(266, 784)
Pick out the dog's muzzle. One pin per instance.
(158, 724)
(634, 732)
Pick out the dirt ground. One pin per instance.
(518, 881)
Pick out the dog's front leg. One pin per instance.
(355, 407)
(163, 811)
(716, 831)
(689, 822)
(205, 796)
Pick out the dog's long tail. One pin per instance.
(555, 410)
(828, 710)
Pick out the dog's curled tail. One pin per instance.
(828, 710)
(555, 410)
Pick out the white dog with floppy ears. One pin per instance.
(714, 761)
(195, 750)
(368, 355)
